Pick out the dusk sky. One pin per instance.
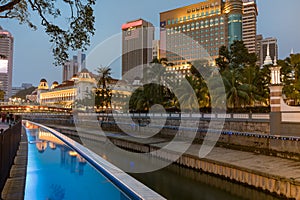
(32, 49)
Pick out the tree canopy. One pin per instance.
(73, 35)
(246, 84)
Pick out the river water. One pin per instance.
(179, 183)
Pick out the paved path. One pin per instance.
(269, 165)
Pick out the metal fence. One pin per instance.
(9, 143)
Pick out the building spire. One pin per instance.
(268, 59)
(292, 51)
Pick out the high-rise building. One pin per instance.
(70, 68)
(209, 24)
(137, 37)
(259, 38)
(273, 49)
(81, 61)
(6, 62)
(249, 24)
(155, 49)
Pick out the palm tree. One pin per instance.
(236, 92)
(103, 92)
(104, 74)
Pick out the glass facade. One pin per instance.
(234, 28)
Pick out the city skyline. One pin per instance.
(31, 66)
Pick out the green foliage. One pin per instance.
(103, 93)
(290, 73)
(2, 95)
(245, 83)
(73, 35)
(22, 93)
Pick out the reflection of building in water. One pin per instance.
(69, 159)
(41, 146)
(52, 145)
(29, 125)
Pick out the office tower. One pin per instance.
(81, 61)
(137, 37)
(70, 68)
(6, 62)
(210, 24)
(234, 8)
(273, 49)
(249, 24)
(155, 49)
(259, 38)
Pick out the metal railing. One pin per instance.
(9, 143)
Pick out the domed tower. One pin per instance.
(234, 10)
(74, 77)
(85, 84)
(43, 86)
(54, 85)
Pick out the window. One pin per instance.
(216, 21)
(221, 20)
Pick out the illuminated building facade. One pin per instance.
(210, 24)
(137, 37)
(78, 88)
(249, 25)
(6, 62)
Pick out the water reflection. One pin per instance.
(44, 140)
(55, 171)
(176, 182)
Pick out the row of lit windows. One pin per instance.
(204, 37)
(192, 17)
(178, 43)
(203, 7)
(196, 25)
(173, 32)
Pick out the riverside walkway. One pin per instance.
(273, 174)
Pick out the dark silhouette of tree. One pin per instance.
(245, 83)
(73, 35)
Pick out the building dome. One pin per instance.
(43, 80)
(84, 70)
(43, 85)
(54, 85)
(74, 77)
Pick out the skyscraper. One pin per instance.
(137, 37)
(210, 23)
(70, 68)
(249, 24)
(6, 62)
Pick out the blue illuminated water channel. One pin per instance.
(57, 172)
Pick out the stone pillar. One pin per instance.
(275, 100)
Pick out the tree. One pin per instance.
(22, 93)
(103, 92)
(2, 95)
(290, 72)
(245, 83)
(72, 36)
